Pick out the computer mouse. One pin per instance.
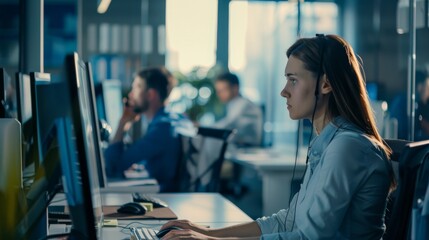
(162, 232)
(132, 208)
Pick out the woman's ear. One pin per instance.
(326, 85)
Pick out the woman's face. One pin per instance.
(299, 89)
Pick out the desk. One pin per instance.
(148, 185)
(204, 208)
(275, 168)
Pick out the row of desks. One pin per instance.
(209, 209)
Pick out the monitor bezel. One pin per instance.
(36, 78)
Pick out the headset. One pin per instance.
(323, 39)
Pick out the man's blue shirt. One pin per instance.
(158, 150)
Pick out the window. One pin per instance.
(191, 34)
(260, 33)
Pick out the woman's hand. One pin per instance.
(185, 224)
(191, 230)
(185, 234)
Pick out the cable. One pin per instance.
(316, 94)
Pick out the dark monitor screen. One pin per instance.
(83, 130)
(8, 99)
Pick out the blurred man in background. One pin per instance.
(398, 109)
(158, 150)
(241, 114)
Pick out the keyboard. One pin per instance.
(58, 215)
(143, 233)
(57, 212)
(157, 203)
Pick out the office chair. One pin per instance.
(397, 145)
(202, 158)
(412, 157)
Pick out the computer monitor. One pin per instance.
(95, 123)
(108, 96)
(49, 103)
(87, 215)
(24, 114)
(7, 96)
(31, 147)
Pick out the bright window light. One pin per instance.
(191, 34)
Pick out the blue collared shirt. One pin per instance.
(344, 191)
(158, 150)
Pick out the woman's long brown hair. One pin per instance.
(345, 74)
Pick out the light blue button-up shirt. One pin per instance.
(344, 191)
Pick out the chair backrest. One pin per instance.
(397, 146)
(420, 214)
(202, 159)
(413, 155)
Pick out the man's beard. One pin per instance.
(141, 109)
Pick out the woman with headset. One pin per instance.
(348, 175)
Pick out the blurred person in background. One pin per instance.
(398, 109)
(241, 113)
(158, 151)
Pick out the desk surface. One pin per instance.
(196, 207)
(267, 159)
(204, 208)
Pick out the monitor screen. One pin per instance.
(23, 89)
(112, 98)
(83, 130)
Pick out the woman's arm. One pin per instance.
(250, 229)
(244, 230)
